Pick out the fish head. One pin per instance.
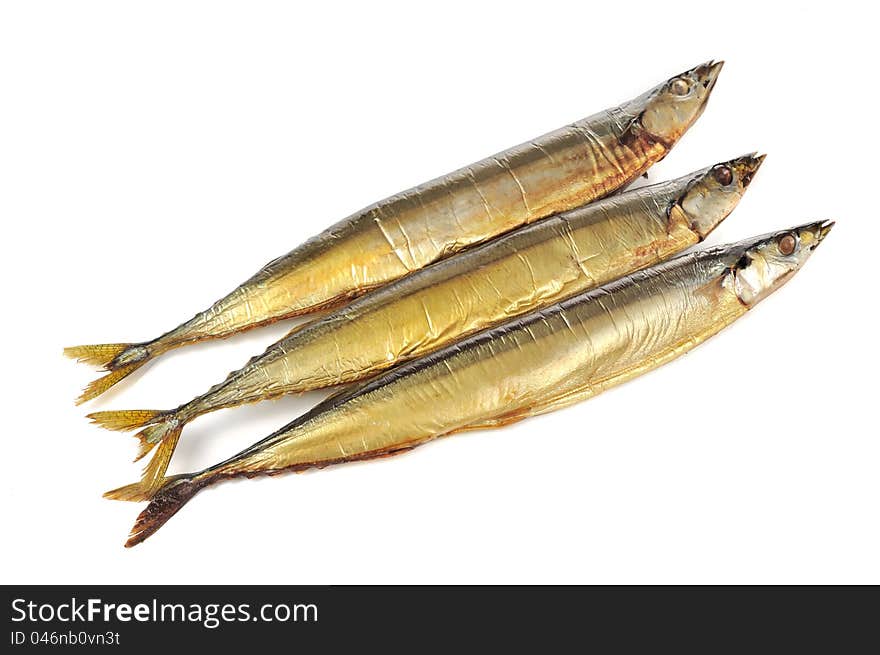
(769, 261)
(672, 107)
(714, 192)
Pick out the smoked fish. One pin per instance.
(483, 286)
(394, 237)
(533, 364)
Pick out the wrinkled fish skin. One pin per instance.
(542, 361)
(401, 234)
(385, 241)
(529, 268)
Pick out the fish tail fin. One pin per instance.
(174, 494)
(153, 478)
(154, 473)
(132, 493)
(160, 429)
(98, 355)
(157, 425)
(96, 387)
(123, 420)
(120, 359)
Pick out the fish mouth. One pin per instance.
(707, 74)
(822, 230)
(751, 163)
(818, 230)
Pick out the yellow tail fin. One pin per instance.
(134, 493)
(154, 473)
(124, 420)
(157, 426)
(166, 435)
(96, 387)
(121, 359)
(98, 355)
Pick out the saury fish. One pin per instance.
(526, 269)
(530, 365)
(401, 234)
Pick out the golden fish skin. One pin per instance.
(529, 268)
(545, 360)
(401, 234)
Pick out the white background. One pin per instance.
(154, 155)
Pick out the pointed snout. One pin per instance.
(824, 229)
(707, 74)
(812, 234)
(748, 165)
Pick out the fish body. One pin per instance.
(533, 364)
(401, 234)
(529, 268)
(525, 269)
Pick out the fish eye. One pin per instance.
(787, 244)
(723, 175)
(680, 86)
